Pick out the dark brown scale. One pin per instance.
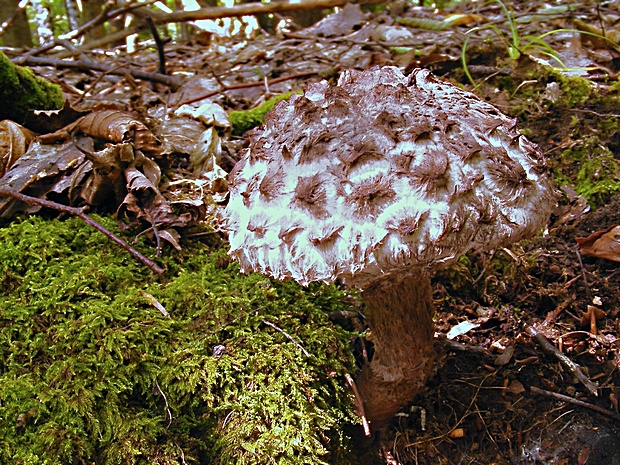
(257, 150)
(251, 187)
(361, 150)
(429, 172)
(370, 196)
(485, 211)
(272, 182)
(315, 147)
(286, 235)
(303, 107)
(327, 237)
(402, 162)
(505, 171)
(258, 230)
(511, 175)
(466, 186)
(311, 192)
(409, 224)
(463, 144)
(421, 129)
(391, 123)
(286, 152)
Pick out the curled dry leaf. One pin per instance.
(111, 125)
(14, 142)
(143, 203)
(505, 357)
(602, 244)
(106, 180)
(209, 114)
(35, 174)
(204, 156)
(171, 236)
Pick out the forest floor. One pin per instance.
(497, 396)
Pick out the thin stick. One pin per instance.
(215, 12)
(11, 19)
(172, 81)
(79, 212)
(158, 42)
(288, 336)
(359, 404)
(583, 272)
(168, 412)
(574, 401)
(245, 85)
(567, 362)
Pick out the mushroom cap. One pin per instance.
(382, 176)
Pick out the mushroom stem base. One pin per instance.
(400, 317)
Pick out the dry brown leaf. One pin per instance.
(36, 172)
(590, 318)
(111, 125)
(515, 387)
(48, 121)
(463, 19)
(506, 356)
(171, 236)
(106, 182)
(155, 303)
(14, 142)
(602, 244)
(143, 202)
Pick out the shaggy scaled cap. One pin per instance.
(382, 176)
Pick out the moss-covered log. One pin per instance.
(21, 90)
(242, 121)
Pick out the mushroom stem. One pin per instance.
(400, 317)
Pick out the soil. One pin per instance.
(494, 397)
(494, 403)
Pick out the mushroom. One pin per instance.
(377, 182)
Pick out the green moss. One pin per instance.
(21, 90)
(575, 89)
(591, 169)
(242, 121)
(91, 372)
(598, 176)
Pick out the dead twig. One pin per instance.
(108, 14)
(161, 393)
(158, 42)
(245, 85)
(288, 336)
(583, 272)
(389, 458)
(86, 64)
(572, 400)
(11, 19)
(79, 212)
(359, 404)
(214, 13)
(564, 360)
